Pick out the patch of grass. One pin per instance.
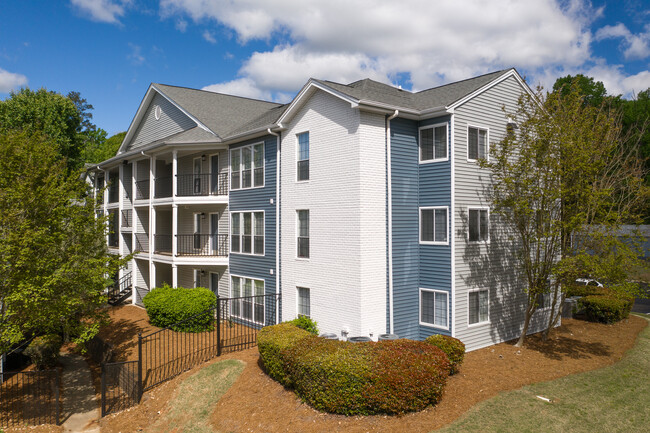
(612, 399)
(189, 411)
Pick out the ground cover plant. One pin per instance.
(612, 399)
(389, 377)
(44, 351)
(180, 308)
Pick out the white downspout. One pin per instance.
(277, 224)
(390, 221)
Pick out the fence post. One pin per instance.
(56, 393)
(139, 366)
(103, 386)
(218, 326)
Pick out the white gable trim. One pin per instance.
(148, 97)
(304, 95)
(511, 73)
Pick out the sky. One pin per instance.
(111, 50)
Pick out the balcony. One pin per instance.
(163, 244)
(141, 243)
(162, 187)
(201, 184)
(142, 189)
(202, 245)
(127, 218)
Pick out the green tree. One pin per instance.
(103, 148)
(53, 254)
(563, 173)
(594, 92)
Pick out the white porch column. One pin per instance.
(152, 220)
(134, 228)
(174, 275)
(174, 172)
(174, 231)
(152, 276)
(135, 281)
(120, 207)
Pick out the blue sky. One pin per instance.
(110, 50)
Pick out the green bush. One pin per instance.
(306, 323)
(605, 309)
(180, 308)
(44, 351)
(583, 290)
(272, 341)
(389, 377)
(453, 348)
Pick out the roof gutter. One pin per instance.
(389, 198)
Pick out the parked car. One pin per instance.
(588, 282)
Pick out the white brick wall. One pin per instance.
(345, 196)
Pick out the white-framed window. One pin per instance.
(303, 233)
(433, 143)
(196, 234)
(249, 299)
(479, 224)
(247, 166)
(434, 308)
(304, 302)
(434, 225)
(303, 157)
(247, 232)
(477, 143)
(479, 301)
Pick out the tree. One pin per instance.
(53, 254)
(593, 92)
(102, 148)
(565, 172)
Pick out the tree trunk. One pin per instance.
(529, 314)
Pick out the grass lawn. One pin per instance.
(189, 410)
(612, 399)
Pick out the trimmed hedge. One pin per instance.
(180, 308)
(305, 323)
(583, 290)
(390, 377)
(44, 351)
(605, 309)
(453, 348)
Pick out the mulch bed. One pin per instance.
(256, 403)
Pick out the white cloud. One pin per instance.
(135, 55)
(107, 11)
(181, 25)
(208, 36)
(10, 81)
(240, 87)
(635, 46)
(617, 82)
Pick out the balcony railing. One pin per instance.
(127, 218)
(162, 244)
(202, 245)
(201, 184)
(141, 243)
(163, 187)
(142, 189)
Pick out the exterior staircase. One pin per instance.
(121, 290)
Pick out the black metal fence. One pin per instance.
(166, 353)
(202, 245)
(29, 398)
(201, 184)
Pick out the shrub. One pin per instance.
(605, 309)
(272, 341)
(44, 351)
(583, 290)
(390, 377)
(305, 323)
(453, 348)
(180, 308)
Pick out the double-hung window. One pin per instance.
(247, 166)
(433, 225)
(478, 307)
(303, 302)
(248, 302)
(303, 233)
(434, 308)
(477, 143)
(479, 223)
(433, 143)
(303, 156)
(247, 232)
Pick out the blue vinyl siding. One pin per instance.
(414, 265)
(259, 199)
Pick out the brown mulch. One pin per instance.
(256, 403)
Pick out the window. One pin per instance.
(249, 299)
(303, 302)
(434, 310)
(433, 143)
(477, 141)
(479, 221)
(303, 233)
(433, 225)
(247, 232)
(197, 231)
(247, 166)
(303, 156)
(478, 307)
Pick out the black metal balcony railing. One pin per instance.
(201, 184)
(163, 187)
(127, 218)
(141, 242)
(142, 189)
(113, 191)
(202, 245)
(162, 244)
